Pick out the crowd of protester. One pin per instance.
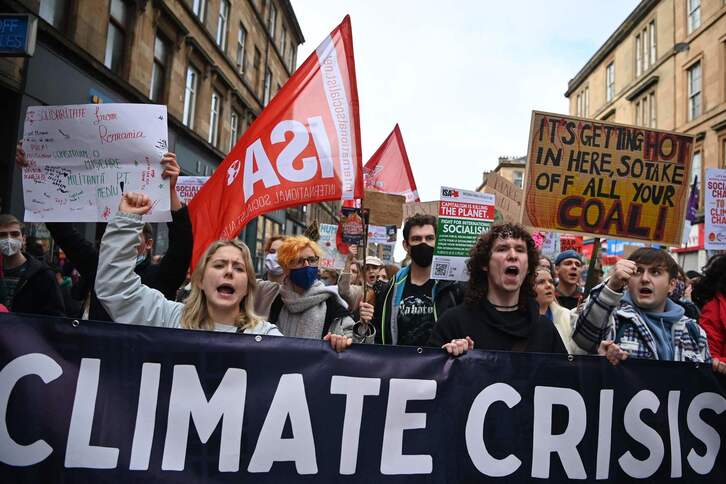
(515, 299)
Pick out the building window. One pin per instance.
(694, 91)
(158, 70)
(583, 102)
(694, 15)
(222, 22)
(116, 37)
(233, 130)
(241, 37)
(199, 7)
(267, 87)
(645, 114)
(199, 167)
(214, 118)
(696, 167)
(190, 96)
(291, 57)
(638, 55)
(272, 20)
(645, 48)
(653, 51)
(610, 82)
(54, 12)
(518, 178)
(283, 42)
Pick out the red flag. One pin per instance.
(389, 171)
(303, 148)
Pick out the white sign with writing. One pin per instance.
(714, 210)
(188, 186)
(331, 259)
(83, 157)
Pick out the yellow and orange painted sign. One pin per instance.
(606, 179)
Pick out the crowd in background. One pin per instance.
(515, 299)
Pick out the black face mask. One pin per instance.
(422, 254)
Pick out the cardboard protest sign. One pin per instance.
(605, 179)
(385, 209)
(714, 209)
(83, 157)
(508, 197)
(303, 148)
(331, 259)
(389, 171)
(187, 187)
(463, 216)
(424, 208)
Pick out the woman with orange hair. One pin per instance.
(307, 308)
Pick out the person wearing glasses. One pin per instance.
(307, 308)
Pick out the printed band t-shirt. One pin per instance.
(416, 314)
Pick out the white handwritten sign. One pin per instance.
(188, 186)
(83, 157)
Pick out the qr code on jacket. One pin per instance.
(441, 269)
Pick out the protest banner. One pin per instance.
(424, 208)
(303, 148)
(463, 216)
(389, 171)
(331, 259)
(188, 186)
(103, 402)
(81, 158)
(385, 209)
(714, 209)
(605, 179)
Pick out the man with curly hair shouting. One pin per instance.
(499, 312)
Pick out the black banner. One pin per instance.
(103, 402)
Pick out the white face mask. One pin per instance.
(10, 246)
(271, 265)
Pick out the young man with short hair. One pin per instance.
(641, 321)
(568, 268)
(499, 312)
(27, 285)
(407, 309)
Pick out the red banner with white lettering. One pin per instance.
(389, 171)
(303, 148)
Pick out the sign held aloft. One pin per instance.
(83, 157)
(605, 179)
(463, 216)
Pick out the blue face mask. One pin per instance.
(304, 277)
(140, 259)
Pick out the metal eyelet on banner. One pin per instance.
(419, 350)
(258, 338)
(75, 323)
(570, 358)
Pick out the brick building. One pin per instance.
(214, 63)
(663, 67)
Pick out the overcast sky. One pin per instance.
(461, 78)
